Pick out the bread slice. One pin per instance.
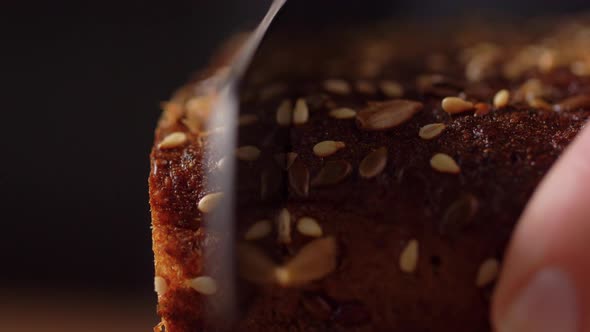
(379, 175)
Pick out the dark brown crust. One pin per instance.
(503, 155)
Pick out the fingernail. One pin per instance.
(547, 303)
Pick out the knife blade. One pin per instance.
(225, 114)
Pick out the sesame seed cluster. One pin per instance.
(378, 178)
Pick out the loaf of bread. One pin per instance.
(379, 174)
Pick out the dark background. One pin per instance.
(81, 85)
(85, 83)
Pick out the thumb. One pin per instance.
(545, 283)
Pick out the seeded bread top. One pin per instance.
(376, 144)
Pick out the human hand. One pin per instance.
(545, 283)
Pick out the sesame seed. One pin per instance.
(301, 112)
(459, 215)
(254, 265)
(339, 87)
(333, 172)
(309, 226)
(547, 61)
(248, 153)
(487, 273)
(573, 103)
(513, 69)
(327, 148)
(343, 113)
(501, 98)
(258, 230)
(284, 113)
(481, 64)
(209, 202)
(387, 115)
(172, 107)
(531, 89)
(374, 163)
(431, 131)
(160, 285)
(408, 260)
(481, 109)
(247, 119)
(454, 105)
(444, 163)
(299, 178)
(173, 111)
(314, 261)
(284, 226)
(540, 104)
(366, 87)
(198, 110)
(199, 105)
(173, 140)
(204, 285)
(391, 89)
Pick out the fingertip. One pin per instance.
(553, 233)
